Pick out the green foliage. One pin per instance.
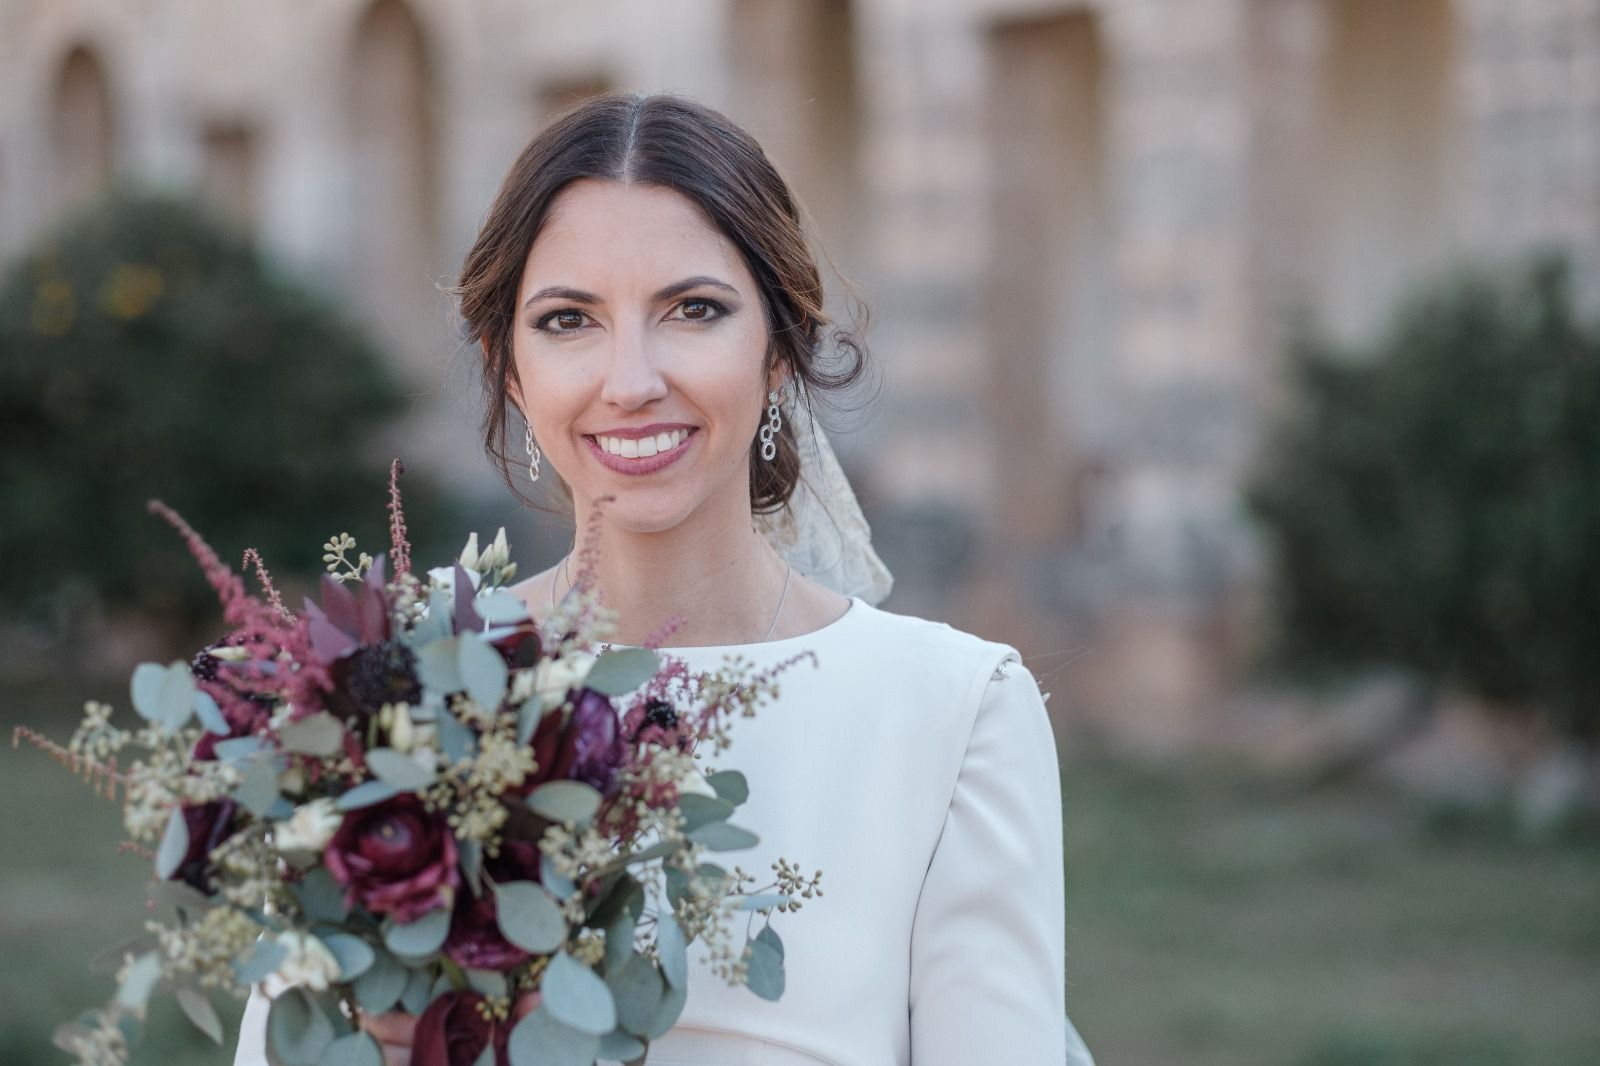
(1434, 499)
(147, 352)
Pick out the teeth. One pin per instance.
(643, 448)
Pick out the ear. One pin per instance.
(778, 377)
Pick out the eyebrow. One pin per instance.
(566, 292)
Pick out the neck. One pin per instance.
(712, 569)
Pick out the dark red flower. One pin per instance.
(586, 745)
(395, 858)
(475, 939)
(209, 824)
(454, 1030)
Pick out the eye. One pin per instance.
(564, 320)
(698, 310)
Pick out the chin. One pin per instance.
(636, 512)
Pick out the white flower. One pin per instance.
(444, 578)
(309, 828)
(402, 733)
(469, 554)
(496, 554)
(308, 962)
(695, 781)
(555, 676)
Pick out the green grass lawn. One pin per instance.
(1210, 920)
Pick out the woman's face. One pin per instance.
(639, 345)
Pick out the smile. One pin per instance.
(640, 454)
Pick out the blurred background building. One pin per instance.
(1089, 234)
(1082, 229)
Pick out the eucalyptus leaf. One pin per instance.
(366, 794)
(769, 936)
(298, 1032)
(491, 983)
(637, 988)
(529, 918)
(238, 749)
(616, 897)
(174, 845)
(701, 810)
(398, 769)
(617, 1046)
(673, 949)
(668, 1012)
(575, 995)
(139, 981)
(501, 607)
(540, 1039)
(320, 896)
(264, 959)
(765, 969)
(418, 992)
(730, 785)
(354, 954)
(483, 670)
(762, 901)
(436, 666)
(469, 856)
(355, 1049)
(619, 941)
(528, 716)
(380, 986)
(565, 801)
(486, 1057)
(210, 714)
(258, 793)
(720, 836)
(560, 886)
(455, 740)
(619, 672)
(164, 694)
(319, 734)
(421, 937)
(196, 1006)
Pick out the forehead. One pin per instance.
(600, 231)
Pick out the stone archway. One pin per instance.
(394, 174)
(82, 131)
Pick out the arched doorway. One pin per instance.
(82, 131)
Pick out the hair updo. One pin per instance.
(676, 143)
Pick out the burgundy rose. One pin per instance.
(475, 940)
(209, 824)
(586, 745)
(454, 1030)
(395, 858)
(521, 647)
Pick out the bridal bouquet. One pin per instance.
(409, 797)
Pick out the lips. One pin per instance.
(611, 449)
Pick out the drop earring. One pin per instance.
(533, 456)
(769, 432)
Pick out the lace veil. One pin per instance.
(822, 532)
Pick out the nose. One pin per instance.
(632, 378)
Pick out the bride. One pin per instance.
(649, 311)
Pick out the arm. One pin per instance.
(988, 954)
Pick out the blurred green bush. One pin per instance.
(1434, 497)
(148, 351)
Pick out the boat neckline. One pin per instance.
(855, 607)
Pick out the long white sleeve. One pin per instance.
(988, 953)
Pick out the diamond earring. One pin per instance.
(533, 456)
(769, 432)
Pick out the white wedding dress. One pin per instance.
(916, 767)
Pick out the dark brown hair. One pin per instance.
(679, 144)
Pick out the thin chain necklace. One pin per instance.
(788, 572)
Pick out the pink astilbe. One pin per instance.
(251, 555)
(269, 637)
(399, 547)
(103, 777)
